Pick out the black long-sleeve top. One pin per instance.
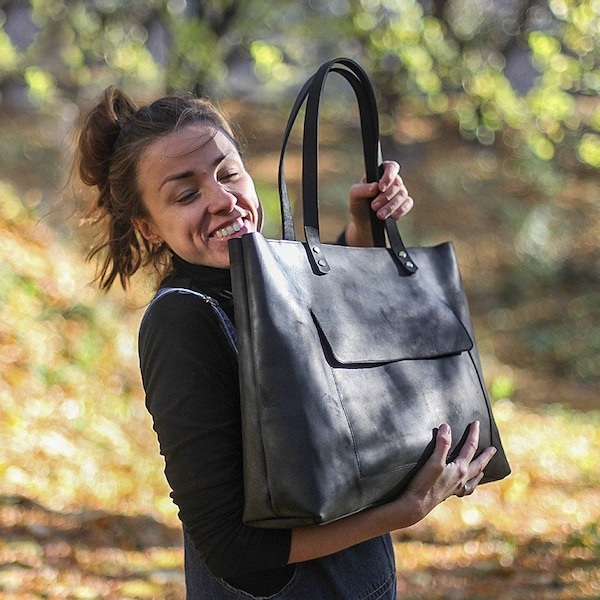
(190, 376)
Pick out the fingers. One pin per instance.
(439, 479)
(430, 481)
(392, 204)
(443, 443)
(466, 471)
(392, 200)
(469, 487)
(390, 170)
(470, 468)
(471, 444)
(478, 465)
(469, 449)
(388, 197)
(363, 191)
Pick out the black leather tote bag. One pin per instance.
(350, 358)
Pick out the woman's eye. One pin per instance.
(228, 176)
(187, 197)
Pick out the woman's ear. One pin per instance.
(147, 230)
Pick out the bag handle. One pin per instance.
(367, 112)
(312, 94)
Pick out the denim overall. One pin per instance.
(366, 571)
(363, 572)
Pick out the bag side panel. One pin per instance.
(256, 490)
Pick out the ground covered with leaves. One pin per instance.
(84, 508)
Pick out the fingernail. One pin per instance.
(444, 428)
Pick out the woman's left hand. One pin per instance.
(389, 198)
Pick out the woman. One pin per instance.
(170, 190)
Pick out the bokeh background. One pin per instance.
(490, 106)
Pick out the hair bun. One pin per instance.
(99, 133)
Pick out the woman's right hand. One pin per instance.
(439, 479)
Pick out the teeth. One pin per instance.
(234, 228)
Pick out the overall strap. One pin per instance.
(224, 321)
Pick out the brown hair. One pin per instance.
(112, 137)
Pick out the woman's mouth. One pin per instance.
(229, 230)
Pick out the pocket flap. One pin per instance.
(363, 324)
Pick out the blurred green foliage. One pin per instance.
(522, 71)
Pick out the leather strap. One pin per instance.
(312, 94)
(367, 111)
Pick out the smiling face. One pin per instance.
(197, 194)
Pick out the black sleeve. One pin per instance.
(190, 376)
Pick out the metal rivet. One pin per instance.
(316, 249)
(402, 254)
(322, 263)
(409, 264)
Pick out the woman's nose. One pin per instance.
(220, 199)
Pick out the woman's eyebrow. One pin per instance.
(175, 177)
(188, 173)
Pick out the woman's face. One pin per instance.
(197, 193)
